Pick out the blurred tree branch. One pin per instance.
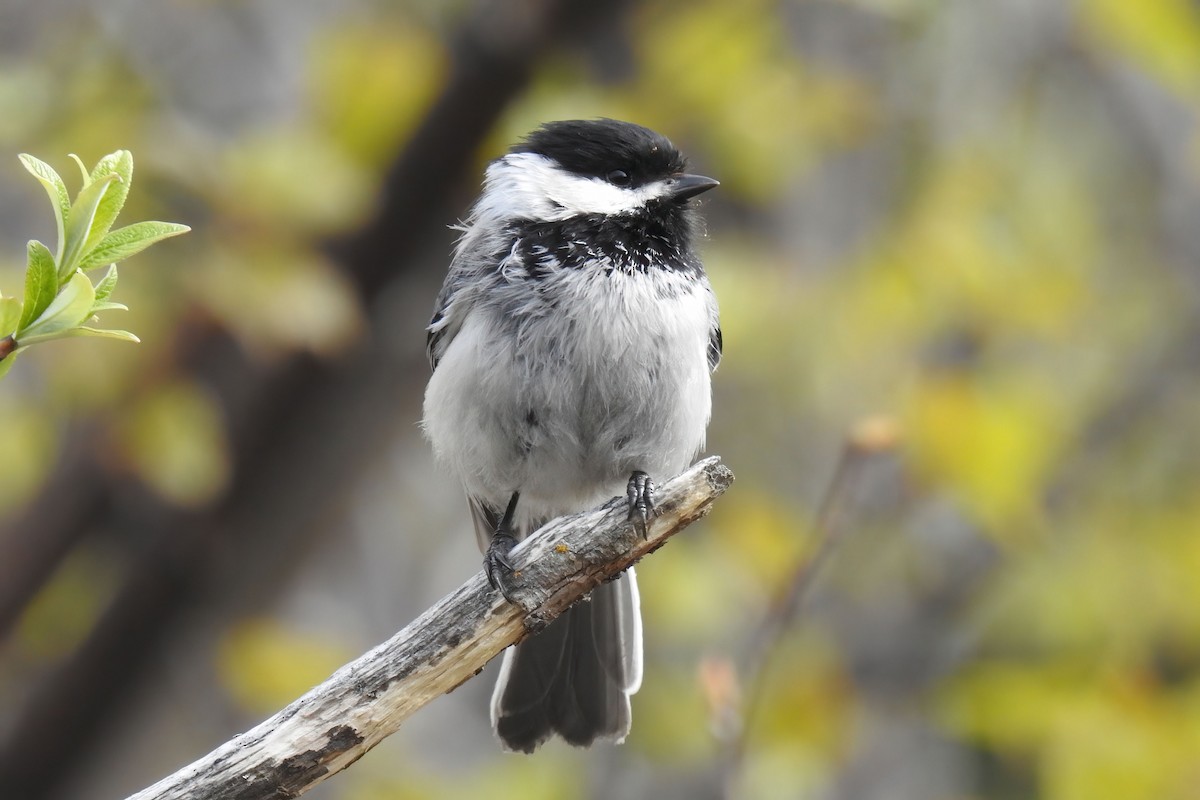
(871, 437)
(283, 420)
(365, 701)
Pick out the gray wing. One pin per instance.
(447, 317)
(478, 260)
(715, 344)
(434, 336)
(715, 341)
(465, 282)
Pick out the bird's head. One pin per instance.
(584, 167)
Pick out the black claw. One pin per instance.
(496, 565)
(641, 502)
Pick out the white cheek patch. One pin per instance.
(530, 185)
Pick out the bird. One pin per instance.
(572, 346)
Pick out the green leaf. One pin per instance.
(97, 307)
(41, 283)
(55, 188)
(119, 164)
(104, 290)
(106, 285)
(124, 242)
(72, 306)
(107, 333)
(79, 223)
(10, 315)
(7, 362)
(83, 171)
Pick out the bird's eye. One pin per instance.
(619, 177)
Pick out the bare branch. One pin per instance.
(365, 701)
(869, 438)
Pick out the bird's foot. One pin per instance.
(496, 565)
(641, 502)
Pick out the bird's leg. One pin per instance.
(495, 562)
(641, 502)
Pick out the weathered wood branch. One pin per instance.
(365, 701)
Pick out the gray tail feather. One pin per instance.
(575, 677)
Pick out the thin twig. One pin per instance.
(869, 438)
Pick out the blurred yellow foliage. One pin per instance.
(763, 113)
(673, 720)
(782, 771)
(293, 179)
(556, 776)
(1162, 36)
(28, 87)
(279, 297)
(27, 444)
(801, 726)
(265, 665)
(806, 696)
(988, 242)
(725, 74)
(66, 608)
(394, 70)
(1117, 584)
(772, 536)
(1001, 255)
(1094, 731)
(677, 597)
(991, 443)
(174, 439)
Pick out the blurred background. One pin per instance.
(979, 219)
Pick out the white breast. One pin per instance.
(564, 404)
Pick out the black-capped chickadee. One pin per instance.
(572, 345)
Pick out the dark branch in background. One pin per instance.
(868, 439)
(49, 528)
(282, 419)
(366, 701)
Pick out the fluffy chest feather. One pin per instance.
(565, 376)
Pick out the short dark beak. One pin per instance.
(685, 186)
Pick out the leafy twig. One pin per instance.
(59, 298)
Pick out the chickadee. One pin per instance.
(571, 346)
